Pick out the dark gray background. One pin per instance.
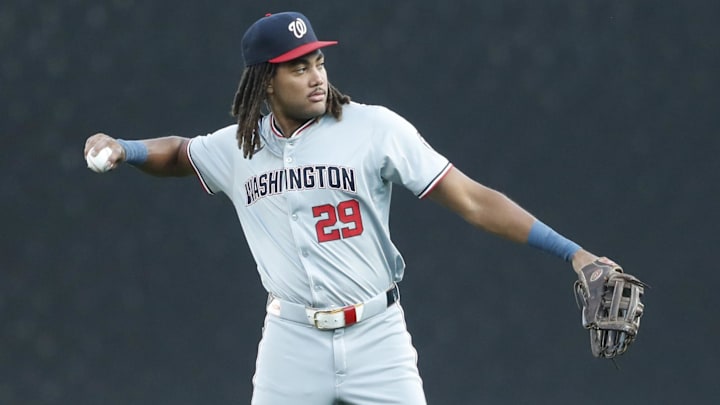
(600, 117)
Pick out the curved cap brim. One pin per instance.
(301, 50)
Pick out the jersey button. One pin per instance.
(288, 159)
(294, 217)
(305, 253)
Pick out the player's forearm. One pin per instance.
(498, 214)
(159, 157)
(166, 157)
(483, 207)
(494, 212)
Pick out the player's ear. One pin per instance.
(270, 89)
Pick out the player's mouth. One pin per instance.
(317, 96)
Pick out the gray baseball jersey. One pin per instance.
(315, 207)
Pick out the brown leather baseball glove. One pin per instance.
(611, 306)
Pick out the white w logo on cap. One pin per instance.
(298, 28)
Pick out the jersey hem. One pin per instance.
(197, 171)
(430, 187)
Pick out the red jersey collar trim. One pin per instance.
(276, 129)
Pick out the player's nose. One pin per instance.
(317, 78)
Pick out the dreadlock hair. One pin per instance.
(249, 99)
(247, 107)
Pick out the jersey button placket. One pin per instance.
(316, 289)
(287, 153)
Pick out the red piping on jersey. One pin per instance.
(279, 133)
(197, 172)
(436, 181)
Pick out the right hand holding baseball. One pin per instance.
(103, 153)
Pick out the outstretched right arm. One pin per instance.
(165, 156)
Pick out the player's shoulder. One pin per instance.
(220, 135)
(229, 131)
(220, 139)
(372, 113)
(375, 110)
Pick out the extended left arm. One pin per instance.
(492, 211)
(610, 299)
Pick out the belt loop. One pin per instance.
(393, 294)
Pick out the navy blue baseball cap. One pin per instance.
(280, 37)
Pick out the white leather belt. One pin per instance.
(328, 319)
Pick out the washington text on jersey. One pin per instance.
(300, 178)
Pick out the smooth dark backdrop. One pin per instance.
(600, 117)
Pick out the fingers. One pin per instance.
(97, 143)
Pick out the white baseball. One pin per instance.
(99, 163)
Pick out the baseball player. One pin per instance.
(311, 181)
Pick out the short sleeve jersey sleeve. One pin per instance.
(212, 158)
(407, 158)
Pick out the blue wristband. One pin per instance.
(546, 239)
(136, 152)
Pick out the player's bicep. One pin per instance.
(183, 159)
(164, 157)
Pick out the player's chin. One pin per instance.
(316, 109)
